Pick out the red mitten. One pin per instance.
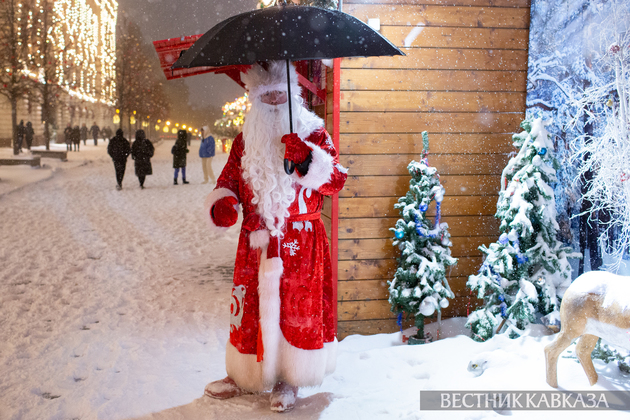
(296, 150)
(223, 212)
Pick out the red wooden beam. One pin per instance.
(169, 50)
(334, 217)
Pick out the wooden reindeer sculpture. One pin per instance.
(596, 305)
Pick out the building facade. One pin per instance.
(83, 33)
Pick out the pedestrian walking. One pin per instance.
(179, 152)
(107, 133)
(141, 152)
(20, 135)
(76, 138)
(188, 138)
(206, 153)
(67, 134)
(119, 149)
(84, 134)
(94, 130)
(29, 133)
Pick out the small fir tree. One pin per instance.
(420, 287)
(527, 269)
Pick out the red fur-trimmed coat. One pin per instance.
(282, 325)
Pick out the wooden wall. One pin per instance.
(464, 81)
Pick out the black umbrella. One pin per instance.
(285, 32)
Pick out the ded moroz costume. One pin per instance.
(282, 327)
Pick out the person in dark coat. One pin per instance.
(119, 149)
(179, 151)
(76, 138)
(107, 133)
(29, 133)
(67, 133)
(20, 135)
(141, 152)
(94, 130)
(84, 133)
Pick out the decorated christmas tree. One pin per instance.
(420, 287)
(527, 270)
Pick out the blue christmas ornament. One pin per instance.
(399, 233)
(423, 207)
(542, 151)
(503, 307)
(520, 258)
(503, 239)
(501, 298)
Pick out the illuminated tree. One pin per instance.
(14, 82)
(231, 124)
(47, 62)
(139, 90)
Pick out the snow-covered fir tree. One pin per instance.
(420, 287)
(527, 269)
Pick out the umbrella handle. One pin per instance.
(289, 166)
(289, 94)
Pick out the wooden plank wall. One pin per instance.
(464, 81)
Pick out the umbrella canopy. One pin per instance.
(285, 32)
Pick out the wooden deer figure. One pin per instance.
(596, 305)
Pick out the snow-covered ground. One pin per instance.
(114, 305)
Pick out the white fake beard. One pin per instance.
(263, 163)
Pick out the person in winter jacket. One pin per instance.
(141, 152)
(282, 325)
(29, 133)
(94, 130)
(107, 133)
(21, 130)
(118, 148)
(206, 153)
(67, 133)
(76, 138)
(179, 152)
(84, 133)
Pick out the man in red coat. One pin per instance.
(282, 332)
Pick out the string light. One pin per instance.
(84, 34)
(234, 112)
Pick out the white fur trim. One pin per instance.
(320, 170)
(298, 367)
(262, 89)
(259, 239)
(281, 360)
(301, 367)
(307, 122)
(258, 80)
(212, 198)
(269, 274)
(244, 369)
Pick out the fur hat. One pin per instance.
(259, 80)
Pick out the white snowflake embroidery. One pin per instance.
(329, 141)
(292, 247)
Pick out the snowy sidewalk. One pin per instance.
(115, 306)
(15, 177)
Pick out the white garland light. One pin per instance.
(85, 34)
